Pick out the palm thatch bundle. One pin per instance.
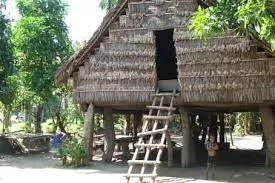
(223, 69)
(118, 64)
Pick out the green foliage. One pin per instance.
(7, 87)
(42, 43)
(64, 113)
(6, 54)
(119, 121)
(48, 126)
(175, 125)
(107, 4)
(72, 153)
(253, 18)
(27, 127)
(257, 19)
(245, 122)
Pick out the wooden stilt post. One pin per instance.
(109, 144)
(170, 149)
(222, 126)
(88, 132)
(186, 128)
(268, 122)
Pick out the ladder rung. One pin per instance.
(157, 117)
(151, 132)
(162, 108)
(142, 175)
(141, 162)
(164, 94)
(151, 145)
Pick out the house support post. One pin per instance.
(88, 132)
(169, 149)
(109, 140)
(186, 151)
(268, 122)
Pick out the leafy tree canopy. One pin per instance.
(6, 59)
(42, 43)
(253, 18)
(107, 4)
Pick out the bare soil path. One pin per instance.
(43, 168)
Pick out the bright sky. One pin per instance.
(84, 17)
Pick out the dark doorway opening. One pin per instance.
(166, 60)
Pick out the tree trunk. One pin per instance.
(268, 122)
(98, 123)
(6, 122)
(127, 124)
(204, 125)
(28, 117)
(109, 144)
(60, 123)
(221, 118)
(213, 129)
(186, 139)
(38, 118)
(137, 122)
(88, 132)
(246, 123)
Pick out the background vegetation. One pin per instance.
(32, 50)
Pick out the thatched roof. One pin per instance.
(118, 64)
(66, 70)
(72, 64)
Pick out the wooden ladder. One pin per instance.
(158, 114)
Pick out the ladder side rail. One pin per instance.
(148, 150)
(164, 135)
(141, 138)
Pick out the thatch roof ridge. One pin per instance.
(78, 58)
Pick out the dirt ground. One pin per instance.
(44, 168)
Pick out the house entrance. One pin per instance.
(166, 61)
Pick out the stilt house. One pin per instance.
(144, 45)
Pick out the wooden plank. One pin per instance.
(161, 108)
(151, 132)
(165, 94)
(158, 117)
(151, 145)
(142, 175)
(148, 162)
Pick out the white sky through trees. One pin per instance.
(84, 17)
